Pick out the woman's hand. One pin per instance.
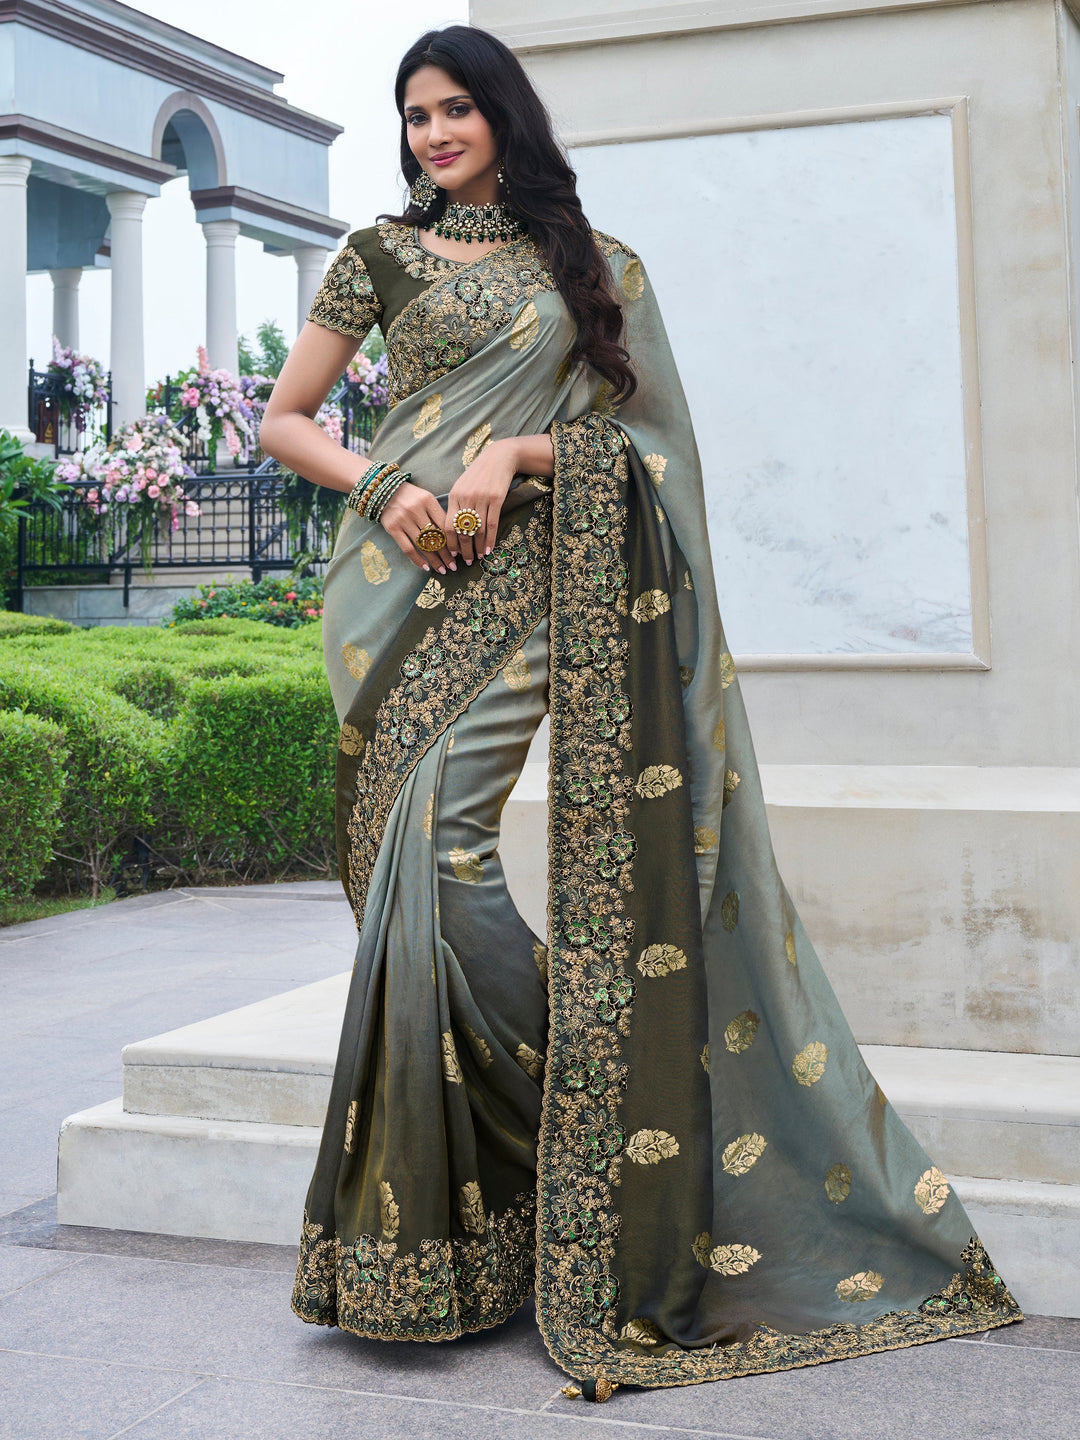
(482, 488)
(405, 514)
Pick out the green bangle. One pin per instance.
(361, 494)
(392, 485)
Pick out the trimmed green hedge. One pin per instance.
(211, 742)
(32, 755)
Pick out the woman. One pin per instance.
(719, 1187)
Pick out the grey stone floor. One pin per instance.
(106, 1334)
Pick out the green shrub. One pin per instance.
(288, 603)
(13, 623)
(249, 774)
(32, 755)
(114, 768)
(210, 741)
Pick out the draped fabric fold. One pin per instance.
(656, 1111)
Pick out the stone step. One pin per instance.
(234, 1180)
(995, 1116)
(270, 1062)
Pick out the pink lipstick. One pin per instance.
(445, 159)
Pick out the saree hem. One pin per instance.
(440, 1290)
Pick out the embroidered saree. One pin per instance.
(656, 1113)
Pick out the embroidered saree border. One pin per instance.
(391, 726)
(583, 1140)
(441, 1290)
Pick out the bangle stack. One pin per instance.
(371, 492)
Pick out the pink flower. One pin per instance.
(91, 495)
(273, 602)
(204, 360)
(135, 442)
(154, 491)
(191, 509)
(290, 595)
(151, 473)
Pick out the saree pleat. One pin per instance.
(658, 1109)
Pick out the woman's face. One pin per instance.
(450, 138)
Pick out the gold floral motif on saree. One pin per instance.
(743, 1153)
(389, 1213)
(863, 1286)
(355, 660)
(658, 960)
(478, 438)
(516, 672)
(466, 865)
(450, 1063)
(741, 1032)
(809, 1064)
(374, 563)
(432, 595)
(838, 1182)
(530, 1060)
(649, 1147)
(471, 1208)
(932, 1191)
(649, 604)
(657, 780)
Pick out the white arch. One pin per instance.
(204, 150)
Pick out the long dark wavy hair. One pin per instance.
(541, 186)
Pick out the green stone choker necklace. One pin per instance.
(479, 222)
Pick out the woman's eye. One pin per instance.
(416, 116)
(459, 109)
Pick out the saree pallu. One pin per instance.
(657, 1112)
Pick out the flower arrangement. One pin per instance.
(222, 409)
(370, 376)
(140, 475)
(289, 602)
(84, 380)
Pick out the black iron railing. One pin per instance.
(251, 517)
(54, 418)
(242, 523)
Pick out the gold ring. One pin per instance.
(430, 539)
(467, 521)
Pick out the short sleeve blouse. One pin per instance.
(346, 300)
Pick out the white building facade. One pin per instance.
(102, 106)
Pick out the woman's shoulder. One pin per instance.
(609, 246)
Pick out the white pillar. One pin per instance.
(65, 305)
(126, 332)
(14, 171)
(221, 346)
(310, 266)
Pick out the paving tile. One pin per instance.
(19, 1267)
(45, 1398)
(28, 1134)
(238, 1323)
(11, 1203)
(969, 1392)
(1046, 1332)
(232, 1410)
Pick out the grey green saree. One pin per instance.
(656, 1113)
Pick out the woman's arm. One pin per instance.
(288, 431)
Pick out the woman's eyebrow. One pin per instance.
(448, 101)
